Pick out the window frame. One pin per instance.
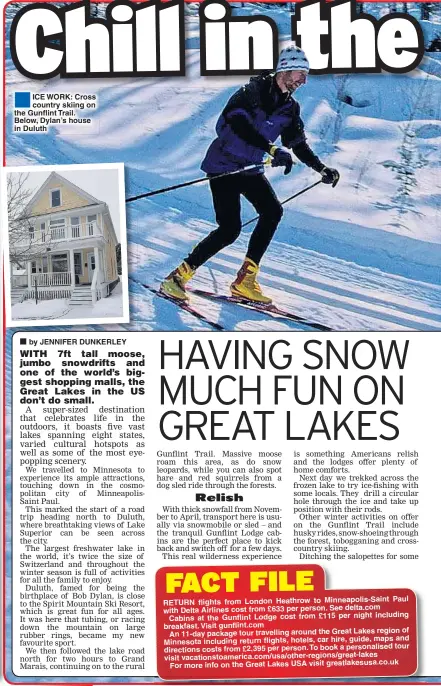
(57, 257)
(55, 190)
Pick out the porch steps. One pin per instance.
(17, 295)
(81, 295)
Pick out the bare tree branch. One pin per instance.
(26, 240)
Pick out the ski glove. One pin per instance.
(330, 175)
(281, 158)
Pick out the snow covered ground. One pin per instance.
(363, 256)
(59, 309)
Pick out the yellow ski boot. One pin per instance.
(246, 287)
(174, 284)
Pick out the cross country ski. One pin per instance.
(184, 305)
(266, 308)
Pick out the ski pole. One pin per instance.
(191, 183)
(291, 197)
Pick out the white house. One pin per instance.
(68, 245)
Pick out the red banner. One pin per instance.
(274, 622)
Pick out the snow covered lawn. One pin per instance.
(59, 309)
(45, 309)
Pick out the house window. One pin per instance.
(75, 225)
(78, 263)
(55, 197)
(33, 267)
(59, 262)
(31, 233)
(43, 231)
(91, 224)
(44, 265)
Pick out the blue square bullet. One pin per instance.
(22, 99)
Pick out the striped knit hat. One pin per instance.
(292, 58)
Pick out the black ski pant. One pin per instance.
(226, 193)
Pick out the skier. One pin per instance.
(254, 117)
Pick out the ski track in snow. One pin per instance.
(328, 291)
(345, 257)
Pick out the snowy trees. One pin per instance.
(410, 160)
(425, 10)
(118, 258)
(26, 241)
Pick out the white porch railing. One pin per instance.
(99, 288)
(92, 229)
(51, 279)
(63, 233)
(57, 233)
(96, 280)
(66, 232)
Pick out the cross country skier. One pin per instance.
(254, 117)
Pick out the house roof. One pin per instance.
(53, 176)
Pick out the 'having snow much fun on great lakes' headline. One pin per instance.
(364, 373)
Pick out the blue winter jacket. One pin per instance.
(252, 120)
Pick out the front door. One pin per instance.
(78, 266)
(91, 264)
